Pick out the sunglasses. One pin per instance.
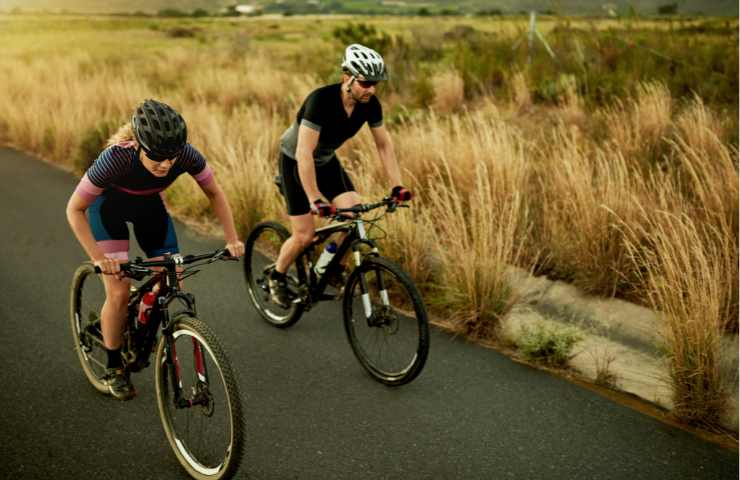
(159, 158)
(366, 83)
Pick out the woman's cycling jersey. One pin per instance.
(121, 190)
(324, 112)
(118, 167)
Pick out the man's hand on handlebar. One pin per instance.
(323, 208)
(401, 194)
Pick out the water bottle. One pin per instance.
(329, 251)
(145, 308)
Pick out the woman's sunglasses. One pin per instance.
(159, 158)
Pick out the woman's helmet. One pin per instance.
(360, 60)
(159, 129)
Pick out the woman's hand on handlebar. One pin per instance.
(235, 248)
(109, 266)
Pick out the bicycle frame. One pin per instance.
(168, 291)
(356, 237)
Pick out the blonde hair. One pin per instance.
(124, 134)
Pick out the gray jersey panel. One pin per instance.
(289, 144)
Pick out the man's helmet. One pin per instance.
(362, 61)
(159, 129)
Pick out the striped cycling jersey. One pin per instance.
(118, 167)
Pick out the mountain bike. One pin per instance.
(384, 316)
(196, 389)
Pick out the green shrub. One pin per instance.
(365, 34)
(549, 345)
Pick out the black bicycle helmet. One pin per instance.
(159, 129)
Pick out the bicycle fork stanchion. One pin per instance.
(200, 366)
(364, 290)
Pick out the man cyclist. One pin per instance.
(313, 180)
(124, 184)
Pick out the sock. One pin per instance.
(114, 358)
(275, 275)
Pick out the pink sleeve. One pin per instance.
(87, 190)
(205, 177)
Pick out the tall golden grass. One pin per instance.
(639, 199)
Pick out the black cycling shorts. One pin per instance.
(331, 178)
(153, 226)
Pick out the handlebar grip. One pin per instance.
(125, 268)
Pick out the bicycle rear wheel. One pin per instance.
(386, 321)
(261, 252)
(205, 428)
(87, 296)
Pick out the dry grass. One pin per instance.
(449, 94)
(636, 128)
(639, 199)
(583, 193)
(688, 270)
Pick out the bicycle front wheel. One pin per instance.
(261, 252)
(386, 321)
(204, 424)
(87, 296)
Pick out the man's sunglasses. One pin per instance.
(366, 83)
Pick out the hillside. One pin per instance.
(563, 7)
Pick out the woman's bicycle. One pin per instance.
(196, 389)
(384, 315)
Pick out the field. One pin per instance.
(613, 166)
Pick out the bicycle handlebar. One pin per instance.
(388, 202)
(172, 261)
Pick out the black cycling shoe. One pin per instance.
(119, 383)
(279, 292)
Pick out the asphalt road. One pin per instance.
(310, 409)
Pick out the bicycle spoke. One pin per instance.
(262, 250)
(87, 298)
(204, 424)
(386, 323)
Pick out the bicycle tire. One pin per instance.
(86, 302)
(218, 367)
(260, 251)
(389, 317)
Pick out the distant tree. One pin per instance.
(171, 12)
(230, 11)
(668, 9)
(423, 12)
(199, 12)
(489, 12)
(449, 12)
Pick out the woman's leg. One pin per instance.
(113, 315)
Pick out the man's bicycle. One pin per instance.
(384, 315)
(196, 389)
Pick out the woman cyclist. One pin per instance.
(313, 180)
(125, 184)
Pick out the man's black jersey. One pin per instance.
(324, 112)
